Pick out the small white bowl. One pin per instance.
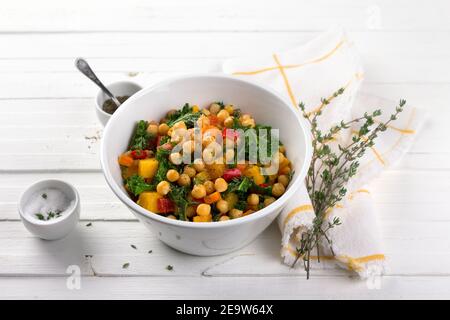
(213, 238)
(120, 88)
(57, 228)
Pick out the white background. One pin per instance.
(48, 129)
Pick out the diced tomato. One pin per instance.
(165, 205)
(167, 146)
(138, 154)
(230, 133)
(230, 174)
(213, 120)
(263, 185)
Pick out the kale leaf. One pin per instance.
(141, 137)
(136, 185)
(186, 114)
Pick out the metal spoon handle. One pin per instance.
(85, 69)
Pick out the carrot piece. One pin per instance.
(125, 160)
(213, 197)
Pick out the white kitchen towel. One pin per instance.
(310, 73)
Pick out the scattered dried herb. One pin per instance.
(133, 246)
(169, 267)
(125, 265)
(89, 224)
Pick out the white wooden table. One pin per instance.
(48, 129)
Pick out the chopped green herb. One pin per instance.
(178, 195)
(141, 137)
(136, 185)
(185, 114)
(50, 215)
(125, 265)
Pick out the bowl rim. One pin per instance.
(49, 182)
(296, 184)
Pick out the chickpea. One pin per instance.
(207, 140)
(214, 108)
(179, 125)
(163, 188)
(235, 213)
(190, 171)
(209, 186)
(190, 212)
(222, 206)
(208, 155)
(188, 147)
(278, 189)
(220, 184)
(152, 129)
(229, 108)
(199, 165)
(285, 170)
(224, 218)
(204, 209)
(228, 122)
(199, 191)
(229, 156)
(175, 158)
(253, 199)
(178, 135)
(283, 179)
(245, 116)
(248, 123)
(184, 180)
(206, 112)
(172, 175)
(203, 121)
(163, 129)
(268, 201)
(171, 216)
(222, 115)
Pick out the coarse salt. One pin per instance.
(48, 200)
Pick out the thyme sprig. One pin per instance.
(330, 171)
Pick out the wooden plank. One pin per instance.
(202, 15)
(109, 243)
(226, 288)
(163, 45)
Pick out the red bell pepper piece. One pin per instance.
(138, 154)
(165, 205)
(230, 133)
(230, 174)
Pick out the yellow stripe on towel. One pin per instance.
(305, 207)
(291, 66)
(286, 81)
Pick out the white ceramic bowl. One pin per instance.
(55, 228)
(119, 88)
(152, 103)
